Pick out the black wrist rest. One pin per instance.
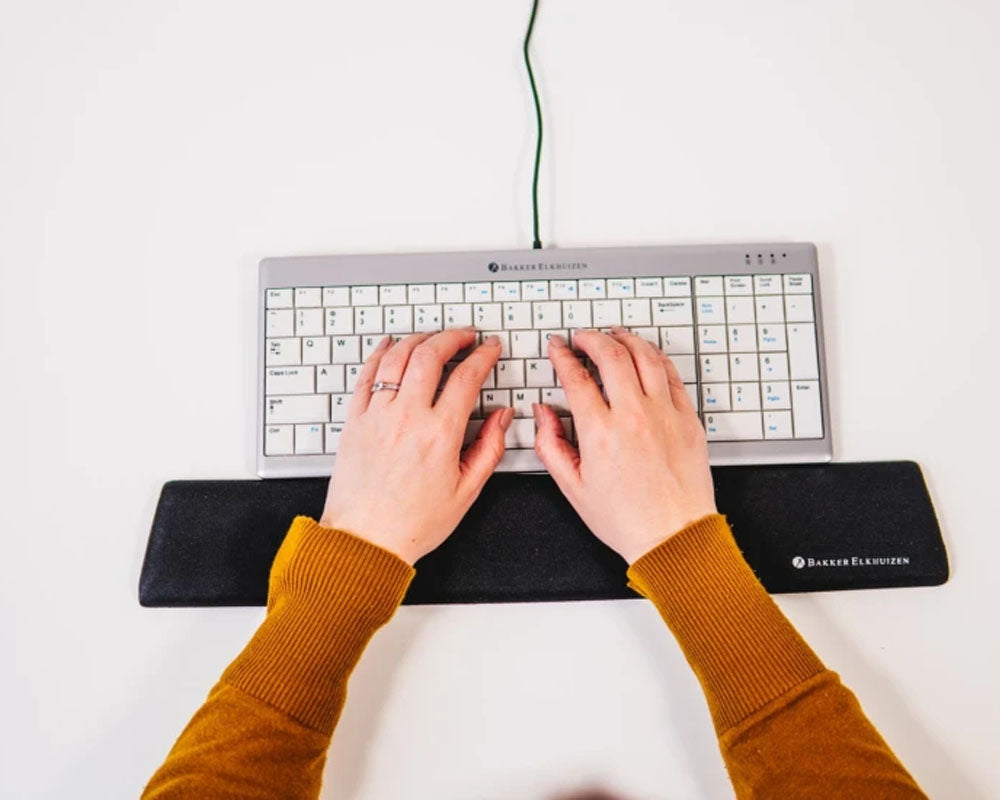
(801, 528)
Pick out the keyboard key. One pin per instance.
(368, 319)
(802, 356)
(546, 314)
(308, 297)
(504, 337)
(556, 399)
(705, 286)
(506, 290)
(714, 397)
(686, 367)
(351, 374)
(510, 374)
(733, 427)
(677, 287)
(576, 313)
(546, 335)
(330, 379)
(522, 400)
(774, 367)
(798, 284)
(392, 294)
(316, 350)
(672, 312)
(799, 308)
(279, 440)
(771, 337)
(278, 298)
(621, 287)
(562, 290)
(651, 335)
(767, 284)
(677, 340)
(738, 285)
(521, 434)
(421, 294)
(338, 407)
(524, 344)
(635, 312)
(714, 368)
(336, 296)
(333, 431)
(743, 367)
(309, 439)
(711, 311)
(368, 345)
(296, 408)
(806, 413)
(649, 287)
(457, 315)
(309, 322)
(346, 350)
(692, 393)
(492, 399)
(770, 309)
(539, 372)
(289, 380)
(427, 319)
(535, 290)
(449, 293)
(398, 319)
(479, 292)
(280, 322)
(516, 315)
(364, 295)
(740, 310)
(712, 339)
(281, 352)
(606, 312)
(777, 424)
(776, 395)
(339, 320)
(592, 289)
(487, 316)
(742, 339)
(746, 397)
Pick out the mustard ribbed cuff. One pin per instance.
(737, 641)
(329, 592)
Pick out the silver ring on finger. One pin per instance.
(385, 386)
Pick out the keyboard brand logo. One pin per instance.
(539, 266)
(851, 561)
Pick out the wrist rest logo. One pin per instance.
(853, 561)
(493, 267)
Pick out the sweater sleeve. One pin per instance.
(787, 727)
(265, 728)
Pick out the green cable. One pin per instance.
(538, 117)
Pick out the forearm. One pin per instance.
(265, 727)
(785, 723)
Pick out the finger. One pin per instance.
(679, 397)
(560, 458)
(647, 361)
(461, 391)
(614, 362)
(480, 459)
(423, 370)
(363, 388)
(393, 365)
(582, 395)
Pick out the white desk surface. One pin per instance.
(152, 153)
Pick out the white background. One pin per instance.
(152, 153)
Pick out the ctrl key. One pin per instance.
(279, 440)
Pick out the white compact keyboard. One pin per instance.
(741, 322)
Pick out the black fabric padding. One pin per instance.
(212, 542)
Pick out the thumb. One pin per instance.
(558, 455)
(482, 456)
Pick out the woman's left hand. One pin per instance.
(401, 480)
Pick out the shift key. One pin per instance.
(296, 408)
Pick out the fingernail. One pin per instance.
(492, 340)
(618, 329)
(386, 340)
(506, 417)
(557, 340)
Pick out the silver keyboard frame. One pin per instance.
(494, 265)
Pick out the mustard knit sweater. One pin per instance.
(787, 727)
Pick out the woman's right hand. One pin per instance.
(641, 472)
